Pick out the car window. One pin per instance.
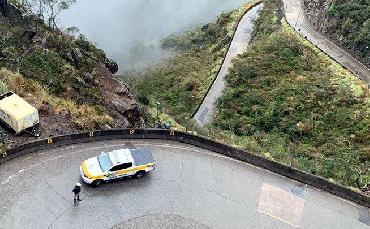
(122, 166)
(105, 162)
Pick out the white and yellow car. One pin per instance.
(117, 164)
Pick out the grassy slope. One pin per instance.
(84, 116)
(287, 100)
(181, 82)
(46, 65)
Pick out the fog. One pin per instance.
(130, 30)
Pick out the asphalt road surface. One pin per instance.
(238, 46)
(296, 18)
(190, 188)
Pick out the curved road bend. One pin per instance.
(238, 46)
(296, 18)
(190, 188)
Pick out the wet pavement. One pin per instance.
(190, 188)
(238, 46)
(296, 18)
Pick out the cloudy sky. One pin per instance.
(130, 30)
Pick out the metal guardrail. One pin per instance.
(198, 141)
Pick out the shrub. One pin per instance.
(84, 116)
(182, 81)
(297, 104)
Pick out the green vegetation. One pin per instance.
(289, 102)
(84, 116)
(285, 99)
(181, 82)
(61, 64)
(54, 64)
(348, 23)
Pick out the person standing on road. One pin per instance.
(76, 190)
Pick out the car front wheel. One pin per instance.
(139, 174)
(96, 183)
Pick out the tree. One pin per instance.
(49, 8)
(73, 31)
(53, 8)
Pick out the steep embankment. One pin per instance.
(181, 82)
(285, 99)
(68, 79)
(347, 22)
(289, 102)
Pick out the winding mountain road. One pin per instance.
(190, 188)
(296, 18)
(238, 45)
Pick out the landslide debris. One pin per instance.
(67, 78)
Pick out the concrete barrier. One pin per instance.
(198, 141)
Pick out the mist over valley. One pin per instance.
(130, 30)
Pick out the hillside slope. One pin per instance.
(68, 79)
(289, 102)
(181, 82)
(347, 22)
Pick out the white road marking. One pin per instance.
(162, 145)
(166, 145)
(13, 176)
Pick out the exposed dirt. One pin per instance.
(118, 99)
(50, 125)
(118, 102)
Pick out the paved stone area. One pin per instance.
(296, 18)
(190, 188)
(166, 221)
(238, 46)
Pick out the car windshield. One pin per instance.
(105, 162)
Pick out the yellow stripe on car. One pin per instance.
(122, 172)
(88, 174)
(85, 171)
(137, 168)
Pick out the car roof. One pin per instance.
(120, 156)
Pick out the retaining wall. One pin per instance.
(198, 141)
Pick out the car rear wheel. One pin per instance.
(139, 174)
(96, 183)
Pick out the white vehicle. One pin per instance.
(116, 165)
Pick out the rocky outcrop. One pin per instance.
(74, 57)
(118, 99)
(87, 78)
(317, 13)
(111, 65)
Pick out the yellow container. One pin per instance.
(17, 113)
